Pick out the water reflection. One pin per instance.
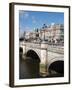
(29, 68)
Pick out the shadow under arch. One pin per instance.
(56, 68)
(20, 49)
(20, 52)
(33, 63)
(33, 55)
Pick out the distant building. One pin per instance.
(52, 33)
(27, 35)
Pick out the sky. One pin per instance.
(29, 20)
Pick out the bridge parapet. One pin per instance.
(34, 45)
(56, 49)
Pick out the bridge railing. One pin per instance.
(34, 45)
(52, 48)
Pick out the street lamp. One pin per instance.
(44, 34)
(44, 26)
(24, 35)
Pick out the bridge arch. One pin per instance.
(31, 53)
(61, 58)
(57, 65)
(20, 49)
(37, 51)
(33, 63)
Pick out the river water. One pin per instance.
(29, 68)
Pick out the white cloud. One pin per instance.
(27, 29)
(33, 20)
(24, 14)
(33, 17)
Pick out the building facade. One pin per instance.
(53, 34)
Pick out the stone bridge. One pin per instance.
(47, 54)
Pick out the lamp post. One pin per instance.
(24, 35)
(44, 34)
(44, 26)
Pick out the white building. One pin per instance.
(53, 32)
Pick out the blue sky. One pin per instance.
(28, 20)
